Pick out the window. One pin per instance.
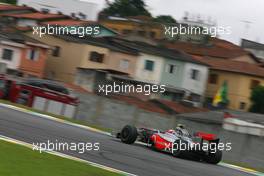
(194, 74)
(254, 84)
(33, 54)
(96, 57)
(127, 31)
(209, 100)
(2, 84)
(149, 65)
(242, 105)
(153, 34)
(124, 64)
(171, 69)
(82, 15)
(44, 10)
(56, 51)
(213, 78)
(7, 54)
(73, 15)
(142, 33)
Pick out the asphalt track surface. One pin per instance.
(135, 159)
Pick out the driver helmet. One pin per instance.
(180, 129)
(180, 126)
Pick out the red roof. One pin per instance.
(36, 16)
(68, 22)
(217, 48)
(232, 66)
(145, 105)
(6, 7)
(180, 108)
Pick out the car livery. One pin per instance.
(177, 142)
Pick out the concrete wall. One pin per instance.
(115, 114)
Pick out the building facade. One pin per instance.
(134, 27)
(149, 68)
(241, 78)
(93, 53)
(24, 58)
(184, 77)
(11, 54)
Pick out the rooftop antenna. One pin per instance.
(186, 16)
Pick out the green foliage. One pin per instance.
(124, 8)
(257, 98)
(165, 19)
(9, 1)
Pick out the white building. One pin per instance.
(195, 78)
(10, 54)
(149, 68)
(86, 10)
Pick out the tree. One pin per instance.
(124, 8)
(257, 98)
(9, 1)
(165, 19)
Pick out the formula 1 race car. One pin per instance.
(178, 142)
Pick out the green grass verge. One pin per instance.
(19, 160)
(58, 116)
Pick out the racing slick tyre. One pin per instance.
(128, 134)
(214, 158)
(176, 150)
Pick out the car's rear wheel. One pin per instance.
(214, 158)
(128, 134)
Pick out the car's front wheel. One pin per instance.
(129, 134)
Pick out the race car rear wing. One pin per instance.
(206, 136)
